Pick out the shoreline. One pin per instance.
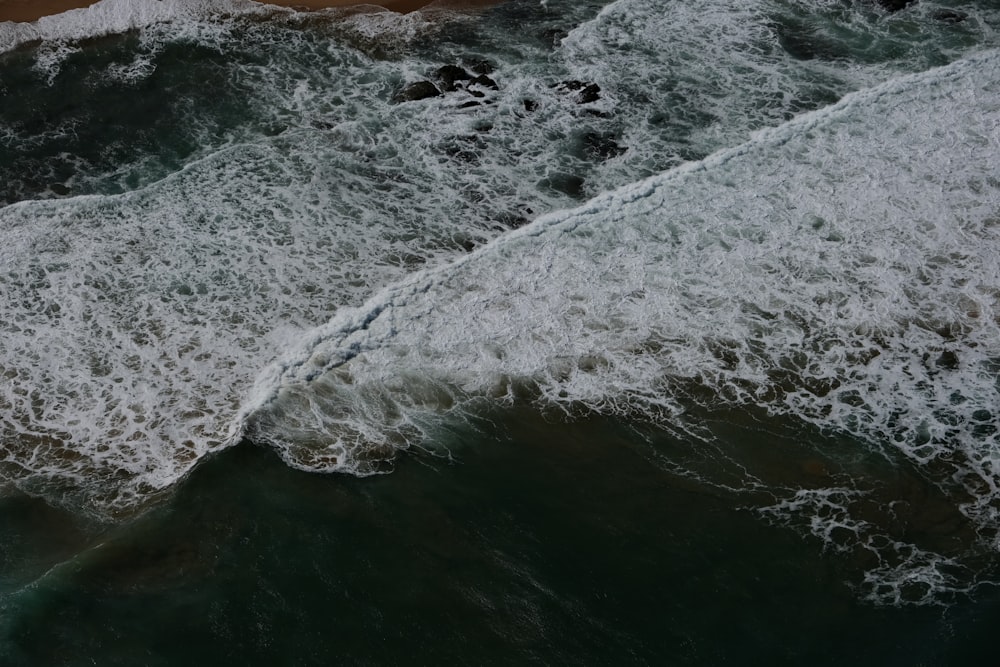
(26, 11)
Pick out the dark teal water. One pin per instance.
(540, 544)
(743, 413)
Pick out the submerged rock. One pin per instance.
(803, 43)
(554, 36)
(514, 219)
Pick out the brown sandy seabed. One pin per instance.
(32, 10)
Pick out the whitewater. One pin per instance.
(327, 284)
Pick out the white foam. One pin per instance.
(134, 324)
(109, 17)
(50, 59)
(709, 72)
(842, 269)
(901, 574)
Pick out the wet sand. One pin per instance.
(32, 10)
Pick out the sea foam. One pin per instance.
(109, 17)
(842, 270)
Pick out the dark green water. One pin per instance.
(543, 544)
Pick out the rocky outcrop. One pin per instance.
(453, 79)
(451, 76)
(584, 92)
(421, 90)
(484, 81)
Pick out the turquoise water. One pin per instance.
(673, 337)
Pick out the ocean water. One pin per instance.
(667, 333)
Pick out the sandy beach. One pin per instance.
(32, 10)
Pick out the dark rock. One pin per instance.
(949, 331)
(591, 93)
(484, 81)
(452, 73)
(420, 90)
(586, 92)
(894, 5)
(949, 16)
(469, 104)
(449, 74)
(530, 105)
(477, 93)
(601, 147)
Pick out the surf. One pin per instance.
(836, 271)
(840, 271)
